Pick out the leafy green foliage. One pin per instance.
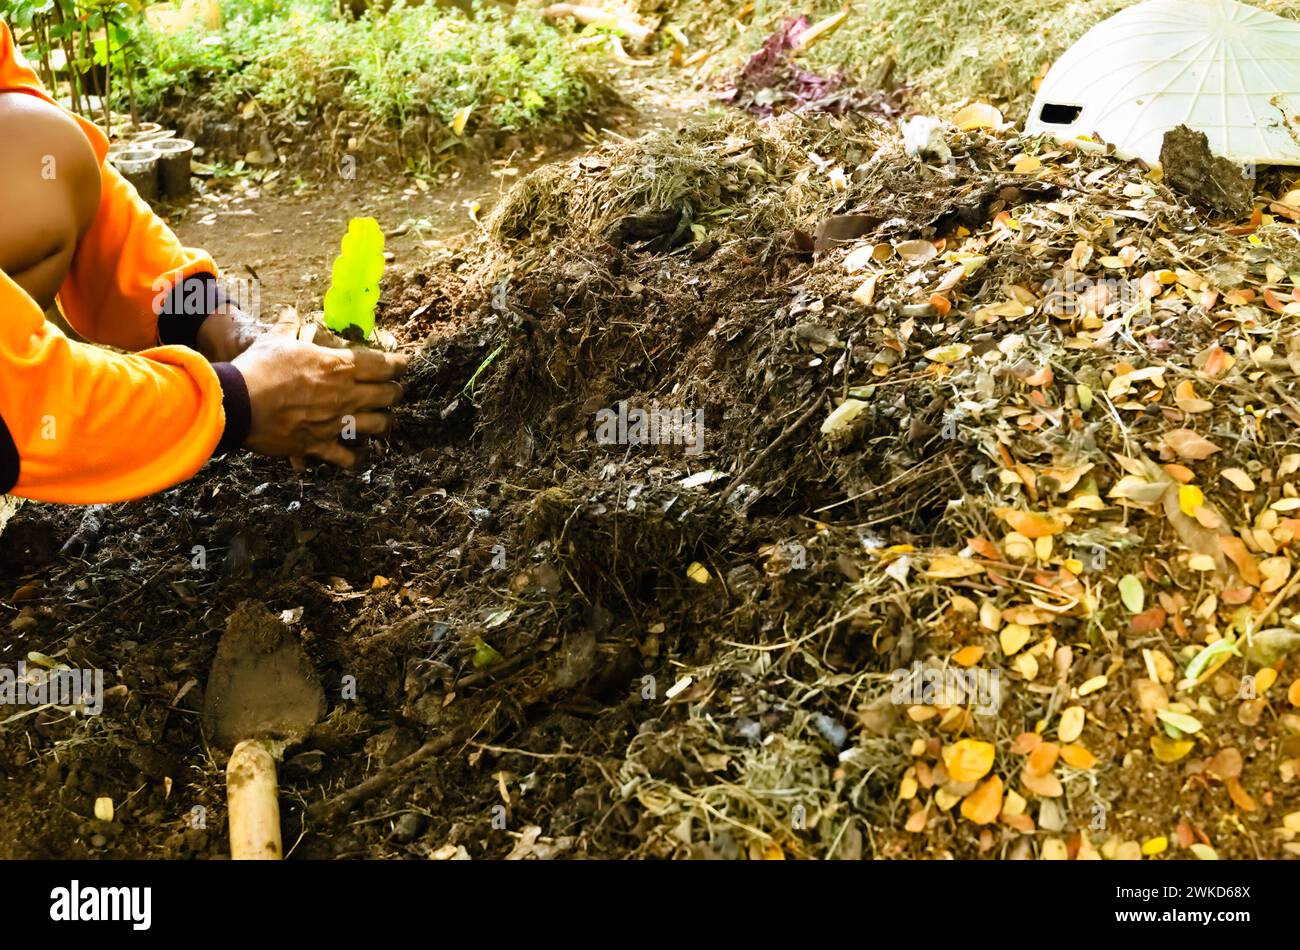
(514, 70)
(354, 287)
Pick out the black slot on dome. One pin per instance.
(1056, 114)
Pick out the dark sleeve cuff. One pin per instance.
(8, 460)
(239, 411)
(186, 307)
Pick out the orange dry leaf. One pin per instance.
(1033, 524)
(968, 656)
(942, 305)
(1045, 786)
(1149, 621)
(1043, 759)
(1078, 757)
(968, 760)
(983, 805)
(1042, 377)
(1245, 562)
(985, 548)
(1240, 797)
(916, 821)
(1186, 399)
(1216, 361)
(1026, 743)
(1293, 694)
(1021, 822)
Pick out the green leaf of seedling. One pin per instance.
(485, 655)
(469, 386)
(354, 287)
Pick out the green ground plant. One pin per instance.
(507, 71)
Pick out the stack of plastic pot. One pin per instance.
(152, 159)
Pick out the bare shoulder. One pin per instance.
(46, 159)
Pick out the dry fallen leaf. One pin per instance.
(968, 760)
(1045, 786)
(1170, 750)
(1186, 399)
(1012, 638)
(1189, 445)
(1226, 764)
(1238, 478)
(1077, 757)
(985, 803)
(978, 115)
(1071, 725)
(1026, 743)
(951, 566)
(1043, 759)
(1033, 524)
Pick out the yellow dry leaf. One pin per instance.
(985, 803)
(978, 115)
(949, 566)
(1054, 849)
(1077, 757)
(1190, 499)
(461, 119)
(1170, 750)
(698, 572)
(104, 808)
(968, 760)
(1013, 637)
(1264, 680)
(1026, 666)
(1071, 725)
(866, 292)
(948, 354)
(1092, 685)
(1026, 164)
(1155, 845)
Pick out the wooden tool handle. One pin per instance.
(254, 803)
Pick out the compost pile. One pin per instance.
(1024, 415)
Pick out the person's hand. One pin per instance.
(227, 332)
(313, 401)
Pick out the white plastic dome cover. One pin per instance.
(1223, 68)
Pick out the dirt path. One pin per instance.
(283, 230)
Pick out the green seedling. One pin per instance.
(354, 285)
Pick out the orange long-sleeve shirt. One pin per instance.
(83, 424)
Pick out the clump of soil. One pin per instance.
(1210, 181)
